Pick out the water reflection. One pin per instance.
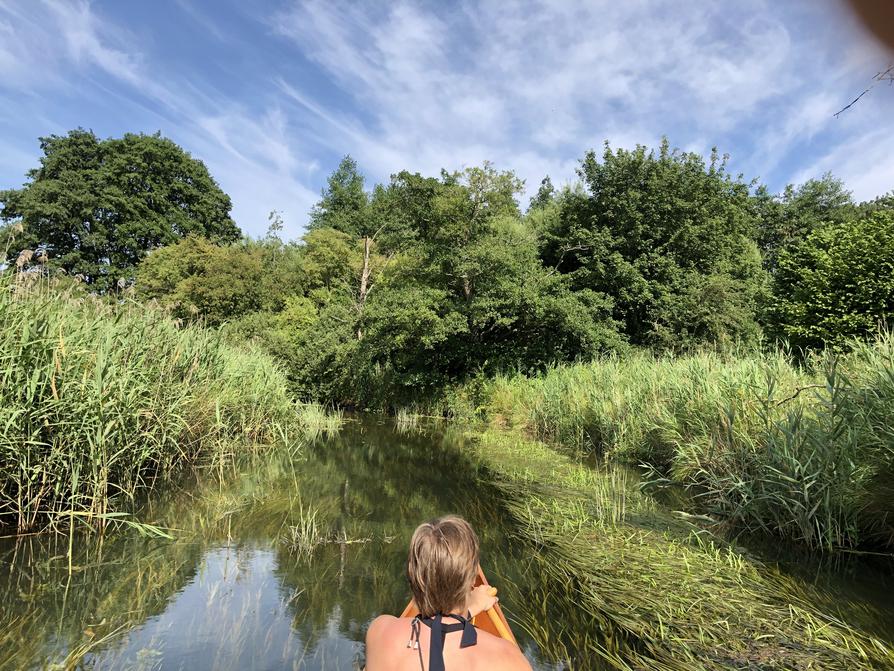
(228, 593)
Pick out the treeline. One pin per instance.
(400, 291)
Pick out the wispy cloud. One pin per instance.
(531, 84)
(250, 152)
(271, 99)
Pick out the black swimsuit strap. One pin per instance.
(438, 629)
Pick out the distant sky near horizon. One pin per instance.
(270, 95)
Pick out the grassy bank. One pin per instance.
(653, 591)
(803, 452)
(100, 402)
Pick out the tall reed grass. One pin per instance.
(651, 591)
(316, 421)
(98, 402)
(805, 452)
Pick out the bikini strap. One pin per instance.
(438, 629)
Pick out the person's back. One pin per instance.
(441, 570)
(386, 649)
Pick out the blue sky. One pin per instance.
(271, 94)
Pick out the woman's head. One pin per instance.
(442, 565)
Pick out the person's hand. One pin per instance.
(483, 598)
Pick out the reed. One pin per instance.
(100, 402)
(307, 533)
(316, 421)
(804, 452)
(653, 591)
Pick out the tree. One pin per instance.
(785, 220)
(346, 208)
(470, 295)
(661, 233)
(198, 280)
(837, 284)
(343, 202)
(99, 206)
(544, 196)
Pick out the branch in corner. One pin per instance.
(884, 75)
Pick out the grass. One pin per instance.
(317, 421)
(307, 533)
(801, 452)
(652, 591)
(100, 402)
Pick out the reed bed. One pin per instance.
(99, 402)
(652, 591)
(805, 452)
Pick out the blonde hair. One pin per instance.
(442, 565)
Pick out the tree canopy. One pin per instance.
(399, 290)
(669, 238)
(837, 284)
(98, 206)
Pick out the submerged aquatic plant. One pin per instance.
(307, 533)
(652, 591)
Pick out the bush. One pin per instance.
(838, 284)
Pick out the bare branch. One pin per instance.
(884, 75)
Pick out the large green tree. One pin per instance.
(784, 220)
(669, 238)
(837, 284)
(99, 206)
(470, 295)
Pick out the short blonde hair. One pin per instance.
(442, 565)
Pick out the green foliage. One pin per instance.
(661, 234)
(344, 202)
(396, 294)
(99, 402)
(195, 278)
(98, 206)
(805, 453)
(837, 284)
(785, 220)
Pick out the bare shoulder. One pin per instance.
(380, 626)
(502, 655)
(380, 637)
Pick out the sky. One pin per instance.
(270, 95)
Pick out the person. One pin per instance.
(441, 569)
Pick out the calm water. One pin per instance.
(230, 593)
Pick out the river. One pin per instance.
(233, 589)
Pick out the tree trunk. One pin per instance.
(364, 282)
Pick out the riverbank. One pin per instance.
(654, 590)
(101, 403)
(802, 452)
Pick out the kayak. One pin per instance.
(492, 621)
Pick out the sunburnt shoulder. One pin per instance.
(491, 652)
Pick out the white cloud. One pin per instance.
(528, 85)
(531, 85)
(252, 155)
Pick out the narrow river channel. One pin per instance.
(237, 589)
